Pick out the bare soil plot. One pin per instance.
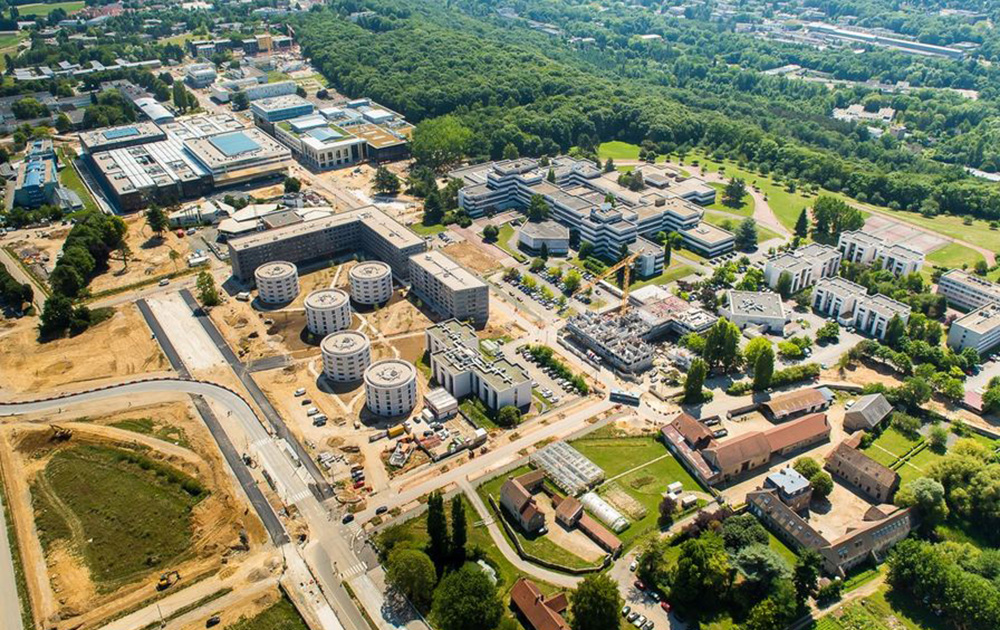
(119, 347)
(150, 256)
(473, 257)
(399, 316)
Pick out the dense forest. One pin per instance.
(509, 84)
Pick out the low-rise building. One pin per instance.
(320, 144)
(200, 75)
(805, 266)
(730, 459)
(516, 497)
(708, 240)
(752, 308)
(797, 403)
(967, 291)
(864, 473)
(901, 260)
(538, 611)
(979, 329)
(792, 488)
(268, 111)
(553, 237)
(460, 367)
(448, 288)
(867, 413)
(851, 305)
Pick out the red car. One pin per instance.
(639, 585)
(665, 606)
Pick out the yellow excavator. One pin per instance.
(167, 580)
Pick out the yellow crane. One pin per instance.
(625, 263)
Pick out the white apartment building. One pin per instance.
(863, 248)
(448, 288)
(966, 290)
(850, 304)
(979, 329)
(461, 368)
(806, 265)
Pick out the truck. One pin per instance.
(395, 431)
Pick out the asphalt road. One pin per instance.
(10, 605)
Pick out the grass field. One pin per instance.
(782, 549)
(917, 465)
(146, 426)
(675, 271)
(745, 208)
(953, 256)
(427, 230)
(279, 616)
(125, 514)
(503, 242)
(71, 179)
(763, 234)
(890, 446)
(8, 46)
(618, 150)
(43, 9)
(883, 610)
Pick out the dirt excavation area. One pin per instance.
(119, 504)
(120, 347)
(151, 256)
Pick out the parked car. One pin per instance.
(640, 621)
(347, 519)
(633, 565)
(665, 606)
(382, 509)
(626, 610)
(639, 585)
(300, 391)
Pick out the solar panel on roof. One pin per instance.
(122, 132)
(232, 144)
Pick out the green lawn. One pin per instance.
(883, 610)
(615, 455)
(782, 549)
(276, 75)
(427, 230)
(279, 616)
(69, 178)
(745, 208)
(731, 223)
(146, 426)
(953, 255)
(918, 465)
(892, 441)
(675, 271)
(125, 514)
(43, 9)
(503, 242)
(618, 150)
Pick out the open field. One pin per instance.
(118, 347)
(427, 230)
(42, 9)
(618, 150)
(954, 256)
(764, 234)
(473, 257)
(890, 446)
(675, 271)
(399, 316)
(745, 209)
(150, 258)
(883, 610)
(616, 455)
(280, 615)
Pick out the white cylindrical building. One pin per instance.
(391, 387)
(277, 282)
(327, 311)
(371, 282)
(346, 355)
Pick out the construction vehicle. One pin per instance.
(623, 264)
(167, 580)
(60, 434)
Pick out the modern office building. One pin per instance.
(577, 192)
(806, 266)
(752, 308)
(200, 75)
(371, 282)
(365, 229)
(346, 355)
(967, 291)
(459, 365)
(863, 248)
(708, 240)
(391, 387)
(327, 311)
(448, 288)
(320, 144)
(551, 236)
(268, 111)
(277, 282)
(901, 260)
(851, 305)
(979, 329)
(35, 183)
(223, 91)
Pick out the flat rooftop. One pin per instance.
(372, 217)
(545, 229)
(377, 136)
(754, 304)
(278, 103)
(709, 234)
(135, 133)
(390, 373)
(237, 148)
(982, 320)
(447, 271)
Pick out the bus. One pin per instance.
(627, 398)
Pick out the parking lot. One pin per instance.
(550, 386)
(645, 608)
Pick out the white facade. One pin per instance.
(863, 248)
(554, 237)
(391, 387)
(371, 282)
(749, 308)
(980, 329)
(850, 305)
(448, 288)
(277, 282)
(967, 291)
(806, 266)
(327, 311)
(901, 260)
(346, 355)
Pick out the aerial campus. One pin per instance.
(377, 315)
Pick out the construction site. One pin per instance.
(118, 505)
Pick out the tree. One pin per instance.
(292, 185)
(695, 381)
(651, 565)
(66, 280)
(538, 210)
(830, 331)
(56, 316)
(595, 603)
(63, 123)
(734, 192)
(411, 573)
(208, 295)
(754, 348)
(467, 600)
(763, 370)
(760, 567)
(439, 142)
(802, 224)
(433, 208)
(459, 531)
(240, 100)
(806, 574)
(784, 286)
(937, 438)
(822, 484)
(510, 151)
(180, 96)
(543, 253)
(490, 233)
(156, 219)
(668, 506)
(509, 416)
(722, 345)
(439, 545)
(586, 250)
(572, 280)
(386, 182)
(551, 176)
(609, 166)
(927, 497)
(702, 567)
(746, 234)
(742, 531)
(537, 265)
(807, 467)
(174, 257)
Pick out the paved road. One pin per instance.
(10, 605)
(321, 486)
(15, 270)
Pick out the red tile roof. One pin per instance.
(541, 614)
(692, 430)
(808, 428)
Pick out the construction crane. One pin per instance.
(167, 580)
(624, 263)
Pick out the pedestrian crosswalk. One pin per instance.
(357, 569)
(299, 496)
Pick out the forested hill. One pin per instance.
(513, 85)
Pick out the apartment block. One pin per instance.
(806, 266)
(850, 304)
(863, 248)
(460, 367)
(979, 329)
(967, 291)
(448, 288)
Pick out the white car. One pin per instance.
(632, 567)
